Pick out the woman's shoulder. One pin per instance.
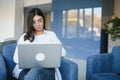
(50, 32)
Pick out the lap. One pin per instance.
(38, 74)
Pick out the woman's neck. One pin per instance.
(39, 32)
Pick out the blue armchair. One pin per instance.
(68, 69)
(104, 66)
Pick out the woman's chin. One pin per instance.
(39, 29)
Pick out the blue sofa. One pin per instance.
(68, 69)
(104, 66)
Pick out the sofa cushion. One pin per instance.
(105, 76)
(116, 59)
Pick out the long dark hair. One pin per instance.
(30, 30)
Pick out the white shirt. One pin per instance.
(47, 37)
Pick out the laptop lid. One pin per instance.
(39, 55)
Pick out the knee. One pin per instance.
(33, 74)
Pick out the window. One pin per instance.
(82, 23)
(78, 26)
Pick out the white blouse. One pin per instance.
(47, 37)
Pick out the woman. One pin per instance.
(36, 33)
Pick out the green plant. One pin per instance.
(113, 28)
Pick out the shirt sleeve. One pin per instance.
(16, 70)
(56, 39)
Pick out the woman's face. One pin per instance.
(38, 24)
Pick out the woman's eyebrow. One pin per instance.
(40, 19)
(37, 20)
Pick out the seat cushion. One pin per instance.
(105, 76)
(116, 60)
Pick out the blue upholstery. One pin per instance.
(104, 66)
(7, 50)
(105, 76)
(3, 72)
(68, 69)
(116, 60)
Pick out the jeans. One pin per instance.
(37, 74)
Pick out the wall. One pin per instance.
(18, 18)
(111, 43)
(48, 20)
(10, 18)
(117, 8)
(7, 12)
(35, 2)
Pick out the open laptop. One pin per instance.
(39, 55)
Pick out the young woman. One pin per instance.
(36, 33)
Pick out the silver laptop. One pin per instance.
(39, 55)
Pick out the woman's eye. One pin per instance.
(39, 20)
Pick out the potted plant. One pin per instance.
(112, 27)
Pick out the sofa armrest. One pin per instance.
(98, 64)
(68, 70)
(3, 71)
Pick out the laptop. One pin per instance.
(39, 55)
